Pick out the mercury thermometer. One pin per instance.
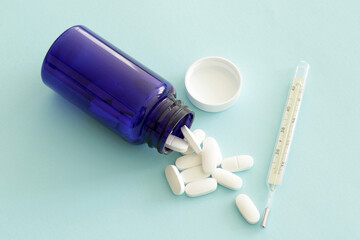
(282, 146)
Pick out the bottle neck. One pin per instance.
(165, 119)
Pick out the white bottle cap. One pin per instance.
(213, 84)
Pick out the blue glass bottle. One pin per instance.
(109, 85)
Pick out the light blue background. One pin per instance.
(65, 176)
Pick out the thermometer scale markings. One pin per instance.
(287, 127)
(286, 131)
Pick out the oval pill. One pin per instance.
(201, 187)
(227, 179)
(219, 161)
(191, 139)
(188, 161)
(237, 163)
(189, 151)
(176, 144)
(211, 155)
(247, 209)
(200, 135)
(175, 180)
(193, 174)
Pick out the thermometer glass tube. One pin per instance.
(278, 164)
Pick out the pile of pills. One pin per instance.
(201, 173)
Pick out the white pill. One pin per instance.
(189, 151)
(201, 187)
(188, 161)
(218, 163)
(191, 139)
(247, 209)
(200, 135)
(237, 163)
(193, 174)
(227, 179)
(175, 180)
(210, 155)
(176, 144)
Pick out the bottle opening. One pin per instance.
(176, 131)
(167, 118)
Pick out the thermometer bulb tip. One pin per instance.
(265, 217)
